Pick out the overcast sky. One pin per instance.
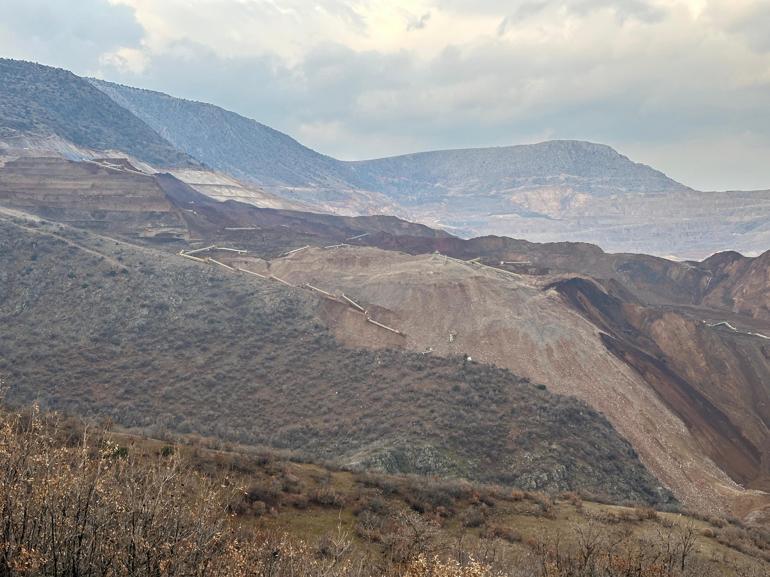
(683, 85)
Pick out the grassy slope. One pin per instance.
(510, 528)
(157, 342)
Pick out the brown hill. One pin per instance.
(102, 328)
(526, 324)
(640, 338)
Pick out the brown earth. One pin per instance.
(683, 432)
(109, 195)
(630, 334)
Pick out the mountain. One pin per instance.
(253, 151)
(582, 167)
(673, 354)
(229, 142)
(552, 191)
(49, 107)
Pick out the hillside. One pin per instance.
(253, 151)
(636, 337)
(101, 328)
(581, 167)
(234, 144)
(552, 191)
(44, 106)
(249, 151)
(89, 498)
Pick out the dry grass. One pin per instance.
(88, 503)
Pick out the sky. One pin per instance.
(681, 85)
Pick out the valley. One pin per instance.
(186, 272)
(619, 332)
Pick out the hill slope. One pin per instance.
(552, 191)
(254, 151)
(579, 166)
(101, 328)
(227, 141)
(39, 102)
(638, 341)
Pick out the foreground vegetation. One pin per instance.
(79, 502)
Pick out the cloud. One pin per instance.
(66, 34)
(418, 23)
(753, 24)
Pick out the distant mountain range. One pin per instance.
(252, 151)
(552, 191)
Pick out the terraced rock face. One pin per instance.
(110, 195)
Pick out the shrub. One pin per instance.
(327, 497)
(473, 517)
(503, 532)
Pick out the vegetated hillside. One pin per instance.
(99, 328)
(79, 499)
(510, 322)
(41, 102)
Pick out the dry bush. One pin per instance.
(88, 509)
(574, 498)
(436, 567)
(474, 517)
(646, 514)
(517, 495)
(93, 510)
(503, 532)
(327, 497)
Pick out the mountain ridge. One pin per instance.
(545, 192)
(348, 172)
(43, 101)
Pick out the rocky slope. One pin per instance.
(651, 382)
(46, 106)
(631, 335)
(650, 359)
(562, 190)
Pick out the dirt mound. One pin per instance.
(515, 321)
